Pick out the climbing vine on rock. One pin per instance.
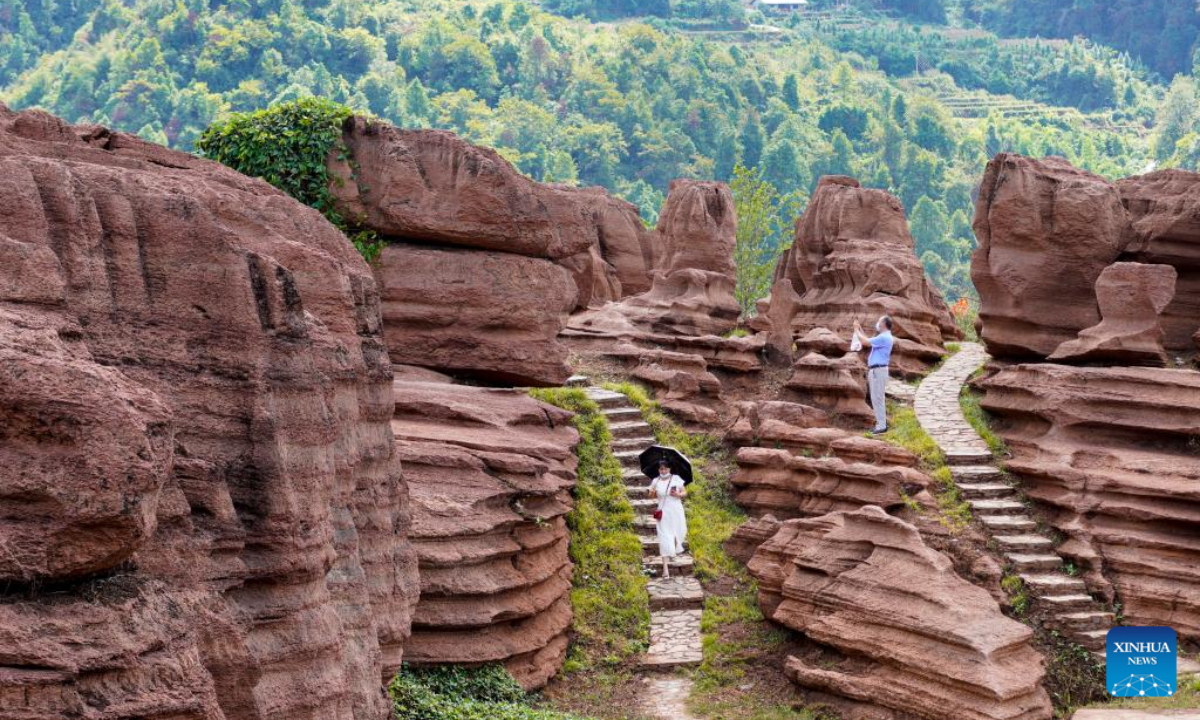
(288, 145)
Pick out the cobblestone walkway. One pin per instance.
(1001, 509)
(676, 602)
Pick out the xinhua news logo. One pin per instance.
(1140, 662)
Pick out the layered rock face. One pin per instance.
(854, 260)
(1047, 234)
(785, 485)
(488, 315)
(198, 464)
(1131, 297)
(805, 431)
(790, 465)
(1046, 231)
(865, 584)
(490, 473)
(670, 335)
(619, 262)
(430, 186)
(1078, 270)
(836, 385)
(1111, 454)
(482, 264)
(694, 271)
(1164, 208)
(481, 269)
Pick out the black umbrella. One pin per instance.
(678, 462)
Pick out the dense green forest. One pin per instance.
(1162, 33)
(629, 105)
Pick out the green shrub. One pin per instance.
(1018, 594)
(612, 612)
(288, 145)
(458, 693)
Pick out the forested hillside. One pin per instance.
(629, 105)
(1161, 33)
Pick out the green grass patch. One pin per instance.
(905, 431)
(612, 612)
(457, 693)
(1018, 594)
(977, 417)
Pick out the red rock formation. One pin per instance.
(792, 465)
(1110, 454)
(202, 516)
(615, 266)
(786, 485)
(838, 387)
(1131, 298)
(785, 303)
(918, 640)
(746, 539)
(596, 281)
(489, 315)
(694, 274)
(1046, 231)
(804, 431)
(483, 264)
(490, 473)
(433, 187)
(681, 381)
(1163, 207)
(854, 260)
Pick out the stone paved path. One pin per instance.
(666, 697)
(1001, 509)
(676, 602)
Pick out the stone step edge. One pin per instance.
(681, 565)
(991, 500)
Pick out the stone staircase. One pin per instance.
(1000, 508)
(675, 602)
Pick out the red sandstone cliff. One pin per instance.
(481, 268)
(1081, 271)
(853, 259)
(202, 516)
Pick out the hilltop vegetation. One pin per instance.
(1161, 33)
(629, 105)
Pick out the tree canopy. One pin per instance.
(628, 105)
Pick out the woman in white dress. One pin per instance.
(668, 488)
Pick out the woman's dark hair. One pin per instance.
(664, 464)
